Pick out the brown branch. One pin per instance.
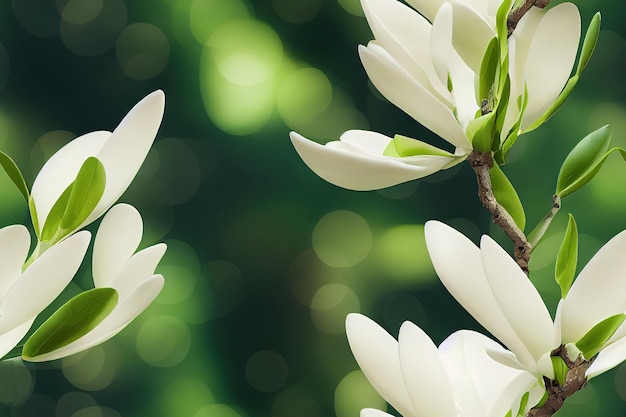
(517, 13)
(481, 162)
(557, 394)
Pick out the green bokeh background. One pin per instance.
(265, 259)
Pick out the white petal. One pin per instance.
(549, 64)
(427, 8)
(11, 338)
(372, 412)
(598, 292)
(115, 322)
(61, 170)
(137, 269)
(43, 281)
(353, 168)
(117, 239)
(471, 35)
(424, 375)
(459, 266)
(126, 149)
(14, 246)
(376, 352)
(608, 358)
(410, 96)
(518, 299)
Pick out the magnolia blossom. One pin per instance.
(116, 265)
(490, 285)
(121, 152)
(419, 380)
(427, 64)
(24, 294)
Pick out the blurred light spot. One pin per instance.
(238, 72)
(225, 281)
(353, 393)
(38, 17)
(91, 370)
(72, 402)
(352, 6)
(142, 51)
(36, 405)
(184, 397)
(302, 96)
(205, 16)
(96, 411)
(180, 267)
(402, 307)
(330, 306)
(342, 239)
(400, 252)
(613, 114)
(98, 34)
(266, 371)
(295, 401)
(46, 146)
(307, 274)
(297, 11)
(400, 191)
(163, 341)
(176, 169)
(217, 410)
(5, 66)
(16, 381)
(80, 12)
(608, 66)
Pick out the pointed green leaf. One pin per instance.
(592, 342)
(560, 369)
(402, 146)
(501, 17)
(33, 216)
(86, 192)
(14, 173)
(590, 42)
(71, 321)
(567, 258)
(523, 403)
(488, 71)
(52, 226)
(507, 196)
(583, 162)
(481, 132)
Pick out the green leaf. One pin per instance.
(53, 222)
(501, 28)
(481, 132)
(507, 196)
(592, 342)
(583, 162)
(71, 321)
(14, 173)
(33, 216)
(488, 71)
(523, 403)
(513, 134)
(402, 146)
(560, 369)
(590, 42)
(567, 258)
(86, 192)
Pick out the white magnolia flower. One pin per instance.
(428, 65)
(25, 294)
(419, 380)
(121, 152)
(490, 285)
(116, 265)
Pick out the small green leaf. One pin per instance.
(488, 71)
(481, 132)
(402, 146)
(523, 403)
(567, 258)
(14, 173)
(590, 42)
(560, 369)
(592, 342)
(583, 162)
(501, 17)
(53, 222)
(507, 196)
(71, 321)
(33, 216)
(86, 192)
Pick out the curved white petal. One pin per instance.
(549, 64)
(427, 8)
(11, 338)
(459, 266)
(413, 98)
(124, 152)
(117, 240)
(43, 281)
(598, 291)
(424, 374)
(347, 166)
(61, 170)
(518, 299)
(137, 268)
(608, 358)
(376, 352)
(114, 323)
(470, 35)
(14, 246)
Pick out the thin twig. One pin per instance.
(481, 162)
(517, 13)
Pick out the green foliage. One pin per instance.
(560, 369)
(507, 196)
(488, 72)
(14, 173)
(592, 342)
(71, 321)
(402, 146)
(567, 258)
(482, 131)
